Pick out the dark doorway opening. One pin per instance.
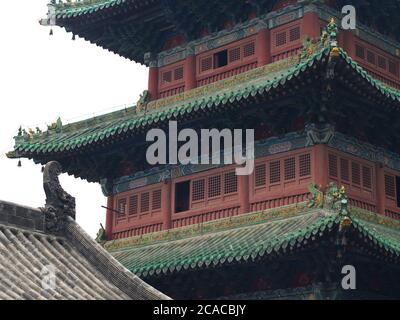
(220, 59)
(182, 193)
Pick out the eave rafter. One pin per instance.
(190, 17)
(122, 38)
(172, 13)
(262, 6)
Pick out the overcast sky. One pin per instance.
(43, 77)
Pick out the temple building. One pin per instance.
(324, 103)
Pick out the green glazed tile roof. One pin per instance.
(241, 238)
(79, 8)
(213, 248)
(383, 232)
(260, 81)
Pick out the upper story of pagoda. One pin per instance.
(261, 40)
(290, 102)
(190, 44)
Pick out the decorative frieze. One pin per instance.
(215, 226)
(285, 17)
(268, 147)
(217, 87)
(365, 151)
(271, 146)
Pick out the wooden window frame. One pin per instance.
(174, 82)
(267, 161)
(231, 64)
(354, 187)
(128, 196)
(375, 67)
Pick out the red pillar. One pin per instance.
(109, 217)
(321, 166)
(380, 188)
(243, 184)
(263, 45)
(190, 72)
(166, 204)
(310, 25)
(153, 82)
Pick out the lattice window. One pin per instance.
(156, 200)
(178, 73)
(393, 68)
(234, 54)
(145, 202)
(275, 172)
(249, 49)
(290, 168)
(206, 64)
(333, 166)
(367, 177)
(294, 34)
(305, 165)
(133, 205)
(371, 57)
(230, 182)
(260, 175)
(360, 52)
(198, 188)
(214, 186)
(344, 170)
(121, 205)
(280, 39)
(390, 183)
(167, 77)
(382, 62)
(355, 173)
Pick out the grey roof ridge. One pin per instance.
(13, 215)
(117, 274)
(27, 219)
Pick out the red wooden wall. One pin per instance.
(277, 180)
(380, 64)
(269, 45)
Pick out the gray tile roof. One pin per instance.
(37, 265)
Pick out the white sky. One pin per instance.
(43, 77)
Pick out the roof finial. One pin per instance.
(333, 31)
(60, 206)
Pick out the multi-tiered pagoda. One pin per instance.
(324, 103)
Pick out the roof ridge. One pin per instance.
(18, 216)
(243, 244)
(371, 79)
(83, 6)
(157, 113)
(219, 225)
(242, 86)
(250, 243)
(112, 270)
(373, 217)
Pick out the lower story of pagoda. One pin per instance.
(286, 170)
